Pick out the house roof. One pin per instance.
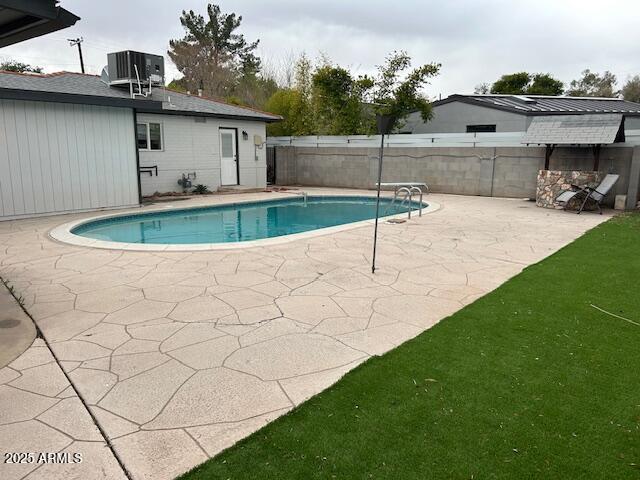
(69, 87)
(546, 104)
(589, 129)
(24, 19)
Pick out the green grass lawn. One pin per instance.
(530, 381)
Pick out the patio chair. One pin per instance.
(595, 195)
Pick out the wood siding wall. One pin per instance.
(58, 158)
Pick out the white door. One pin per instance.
(228, 157)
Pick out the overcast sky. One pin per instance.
(475, 40)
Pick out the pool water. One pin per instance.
(238, 222)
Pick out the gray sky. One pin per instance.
(475, 40)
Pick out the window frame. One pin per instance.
(482, 128)
(148, 136)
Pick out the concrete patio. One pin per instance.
(180, 354)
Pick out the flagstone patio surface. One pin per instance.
(180, 354)
(40, 413)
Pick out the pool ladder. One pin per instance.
(407, 195)
(304, 197)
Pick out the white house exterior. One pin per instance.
(193, 144)
(57, 158)
(71, 143)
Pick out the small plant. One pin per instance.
(12, 291)
(201, 189)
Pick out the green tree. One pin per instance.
(177, 84)
(19, 67)
(525, 83)
(544, 84)
(398, 94)
(338, 101)
(295, 104)
(631, 90)
(303, 114)
(328, 100)
(594, 84)
(214, 57)
(283, 103)
(512, 84)
(255, 90)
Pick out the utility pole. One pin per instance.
(77, 41)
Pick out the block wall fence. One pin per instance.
(502, 171)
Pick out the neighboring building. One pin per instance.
(71, 142)
(512, 113)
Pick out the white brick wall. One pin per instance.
(190, 146)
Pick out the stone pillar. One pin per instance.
(552, 183)
(634, 179)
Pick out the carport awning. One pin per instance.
(590, 129)
(24, 19)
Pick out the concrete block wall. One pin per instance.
(484, 171)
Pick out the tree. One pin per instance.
(482, 88)
(525, 83)
(338, 101)
(254, 90)
(19, 67)
(512, 84)
(212, 56)
(282, 103)
(631, 90)
(593, 84)
(397, 95)
(327, 99)
(177, 84)
(544, 84)
(295, 104)
(304, 121)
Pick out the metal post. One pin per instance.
(385, 124)
(375, 231)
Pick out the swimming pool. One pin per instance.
(238, 222)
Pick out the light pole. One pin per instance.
(385, 123)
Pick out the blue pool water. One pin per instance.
(237, 222)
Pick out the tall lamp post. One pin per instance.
(385, 123)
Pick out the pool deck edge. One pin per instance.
(63, 233)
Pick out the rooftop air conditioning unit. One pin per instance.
(135, 68)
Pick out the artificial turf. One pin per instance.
(530, 381)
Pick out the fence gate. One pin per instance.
(271, 165)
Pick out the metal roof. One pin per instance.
(590, 129)
(24, 19)
(90, 89)
(546, 104)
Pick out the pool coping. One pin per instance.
(62, 233)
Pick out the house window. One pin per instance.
(149, 136)
(481, 128)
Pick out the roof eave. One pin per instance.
(57, 97)
(63, 19)
(192, 113)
